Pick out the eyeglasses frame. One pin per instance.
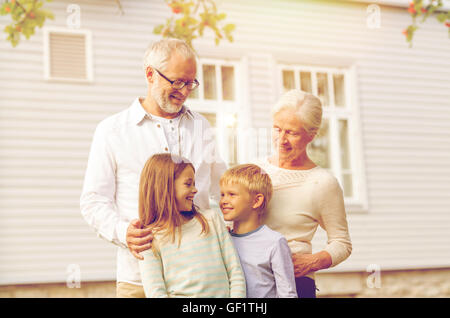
(184, 83)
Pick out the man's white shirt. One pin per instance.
(121, 146)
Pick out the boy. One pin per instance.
(265, 256)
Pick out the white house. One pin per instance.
(386, 133)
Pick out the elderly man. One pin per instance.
(122, 143)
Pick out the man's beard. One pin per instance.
(163, 100)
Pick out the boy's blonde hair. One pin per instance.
(252, 177)
(157, 203)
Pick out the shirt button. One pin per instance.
(166, 149)
(173, 128)
(159, 126)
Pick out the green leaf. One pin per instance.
(418, 6)
(2, 9)
(411, 29)
(441, 17)
(431, 10)
(157, 29)
(15, 38)
(192, 20)
(27, 32)
(221, 16)
(196, 15)
(40, 19)
(31, 24)
(229, 28)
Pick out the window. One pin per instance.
(67, 55)
(218, 99)
(337, 145)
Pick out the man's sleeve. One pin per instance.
(97, 200)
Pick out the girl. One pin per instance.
(192, 253)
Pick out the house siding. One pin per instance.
(403, 117)
(403, 97)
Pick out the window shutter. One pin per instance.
(68, 55)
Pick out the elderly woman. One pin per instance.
(305, 195)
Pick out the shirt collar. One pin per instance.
(138, 112)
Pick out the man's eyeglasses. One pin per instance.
(179, 84)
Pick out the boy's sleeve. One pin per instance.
(152, 275)
(231, 260)
(283, 270)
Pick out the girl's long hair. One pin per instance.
(157, 203)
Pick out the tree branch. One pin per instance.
(24, 10)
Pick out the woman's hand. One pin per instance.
(138, 240)
(306, 263)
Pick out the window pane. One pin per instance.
(209, 81)
(228, 83)
(288, 80)
(344, 147)
(339, 90)
(231, 138)
(322, 88)
(348, 184)
(305, 82)
(68, 55)
(194, 94)
(345, 158)
(318, 150)
(231, 135)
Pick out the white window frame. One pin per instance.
(224, 110)
(358, 202)
(88, 46)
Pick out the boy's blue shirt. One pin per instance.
(267, 263)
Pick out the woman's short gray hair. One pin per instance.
(307, 107)
(158, 53)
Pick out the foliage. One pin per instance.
(191, 17)
(424, 9)
(26, 16)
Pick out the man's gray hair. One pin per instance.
(307, 107)
(158, 53)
